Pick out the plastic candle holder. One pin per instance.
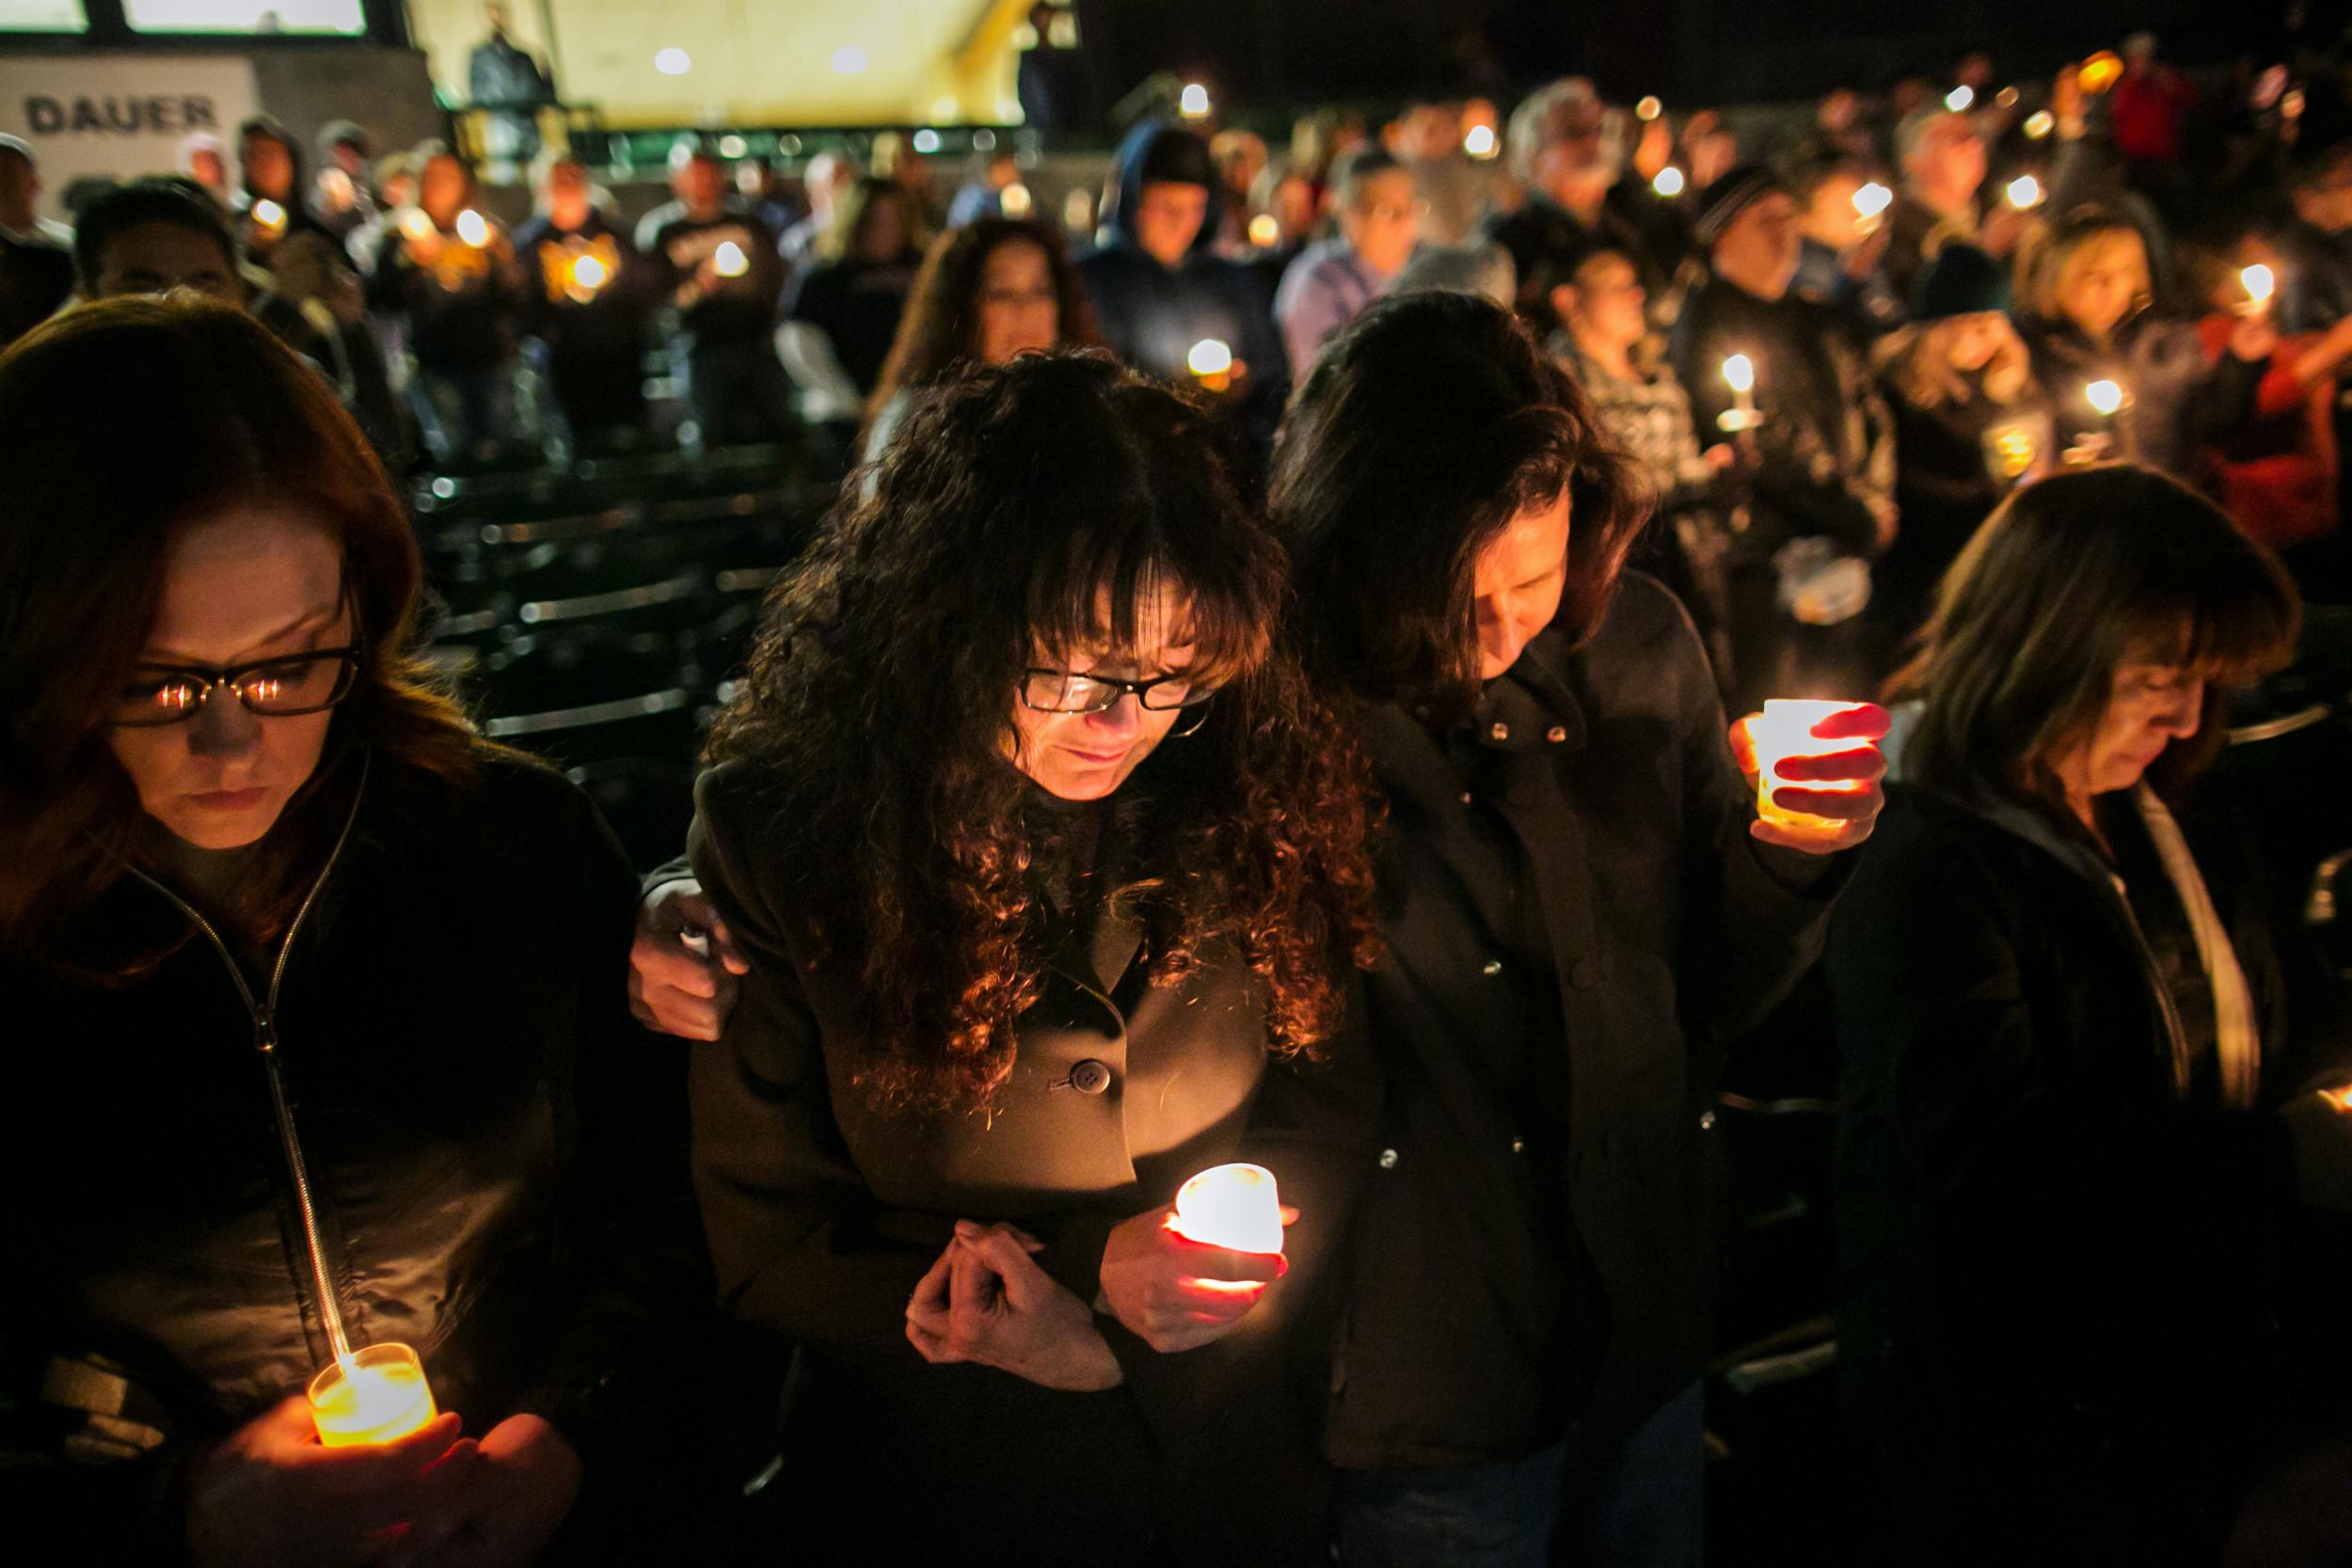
(376, 1395)
(1234, 1207)
(1785, 730)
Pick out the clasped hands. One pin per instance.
(987, 1301)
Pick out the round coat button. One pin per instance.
(1090, 1077)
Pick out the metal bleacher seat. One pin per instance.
(586, 694)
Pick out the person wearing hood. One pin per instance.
(273, 202)
(2077, 1157)
(2087, 312)
(1159, 289)
(341, 198)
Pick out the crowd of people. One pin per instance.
(1259, 699)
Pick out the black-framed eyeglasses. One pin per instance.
(280, 688)
(1060, 692)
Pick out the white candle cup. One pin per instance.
(376, 1395)
(1785, 730)
(1234, 1207)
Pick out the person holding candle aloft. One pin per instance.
(2086, 305)
(587, 297)
(445, 272)
(1580, 909)
(1041, 874)
(305, 1108)
(2075, 1172)
(724, 277)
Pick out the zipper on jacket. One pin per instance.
(264, 1014)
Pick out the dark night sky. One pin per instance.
(1268, 54)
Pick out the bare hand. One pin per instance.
(672, 987)
(1175, 1293)
(271, 1492)
(1721, 455)
(985, 1301)
(2255, 338)
(518, 1495)
(1852, 797)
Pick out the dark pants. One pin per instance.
(737, 391)
(1644, 1511)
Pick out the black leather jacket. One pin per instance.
(481, 1119)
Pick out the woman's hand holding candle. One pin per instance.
(1817, 768)
(1175, 1293)
(271, 1493)
(985, 1301)
(510, 1507)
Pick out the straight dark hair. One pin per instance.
(121, 423)
(1429, 423)
(2069, 579)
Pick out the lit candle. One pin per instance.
(1784, 730)
(1740, 375)
(1193, 102)
(1264, 232)
(2012, 448)
(2340, 1098)
(269, 214)
(2024, 192)
(1234, 1207)
(418, 227)
(473, 228)
(1872, 199)
(589, 274)
(1960, 99)
(1211, 361)
(1015, 201)
(2040, 124)
(728, 261)
(1668, 182)
(377, 1395)
(1479, 141)
(2260, 284)
(2104, 396)
(1648, 108)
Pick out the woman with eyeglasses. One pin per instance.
(1042, 873)
(268, 1098)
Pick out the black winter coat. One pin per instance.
(2060, 1284)
(824, 1214)
(495, 1149)
(1670, 932)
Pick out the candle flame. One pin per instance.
(1872, 199)
(1264, 232)
(1961, 99)
(2104, 396)
(2259, 283)
(473, 228)
(1209, 357)
(2025, 191)
(269, 214)
(1193, 102)
(2040, 124)
(1648, 108)
(588, 273)
(414, 224)
(1739, 374)
(1669, 181)
(1479, 141)
(728, 261)
(1015, 203)
(1234, 1207)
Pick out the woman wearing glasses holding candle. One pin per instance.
(1581, 908)
(268, 1103)
(1042, 873)
(2087, 308)
(2068, 1197)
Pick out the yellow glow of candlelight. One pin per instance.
(1739, 374)
(473, 228)
(269, 214)
(2015, 445)
(414, 224)
(1669, 181)
(1193, 102)
(1264, 232)
(588, 273)
(1872, 199)
(377, 1395)
(1781, 731)
(2340, 1098)
(1648, 108)
(1209, 357)
(2101, 71)
(728, 261)
(2040, 124)
(1479, 141)
(2024, 192)
(1234, 1207)
(2104, 396)
(2259, 283)
(1015, 203)
(1961, 99)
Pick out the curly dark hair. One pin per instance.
(1431, 422)
(879, 710)
(940, 328)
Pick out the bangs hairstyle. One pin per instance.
(2044, 263)
(121, 423)
(2068, 581)
(940, 328)
(1429, 423)
(1028, 514)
